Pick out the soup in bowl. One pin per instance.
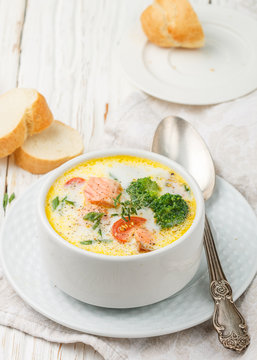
(120, 205)
(121, 228)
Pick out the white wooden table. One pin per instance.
(66, 49)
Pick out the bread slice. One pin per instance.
(49, 149)
(23, 112)
(172, 23)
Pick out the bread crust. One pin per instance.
(172, 23)
(36, 118)
(37, 165)
(14, 139)
(39, 116)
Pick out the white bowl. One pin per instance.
(121, 281)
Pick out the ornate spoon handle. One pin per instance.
(227, 320)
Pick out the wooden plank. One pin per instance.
(11, 24)
(74, 64)
(15, 345)
(12, 14)
(12, 344)
(3, 168)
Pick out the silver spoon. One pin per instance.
(179, 141)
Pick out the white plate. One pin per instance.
(224, 69)
(234, 225)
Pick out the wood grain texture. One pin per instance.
(66, 53)
(15, 345)
(68, 50)
(11, 25)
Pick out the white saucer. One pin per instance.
(234, 226)
(224, 69)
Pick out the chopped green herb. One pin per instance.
(169, 210)
(11, 198)
(69, 202)
(66, 201)
(88, 242)
(95, 217)
(143, 192)
(55, 202)
(186, 187)
(5, 201)
(117, 200)
(100, 232)
(128, 208)
(114, 214)
(96, 224)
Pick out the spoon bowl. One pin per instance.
(178, 140)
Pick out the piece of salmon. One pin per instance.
(101, 191)
(145, 238)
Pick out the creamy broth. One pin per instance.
(92, 206)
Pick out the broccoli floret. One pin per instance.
(169, 210)
(143, 192)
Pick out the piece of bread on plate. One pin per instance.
(172, 23)
(23, 112)
(49, 149)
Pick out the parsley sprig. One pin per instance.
(127, 208)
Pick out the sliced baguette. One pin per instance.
(23, 112)
(49, 149)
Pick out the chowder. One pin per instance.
(120, 205)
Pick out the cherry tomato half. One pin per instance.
(121, 229)
(75, 181)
